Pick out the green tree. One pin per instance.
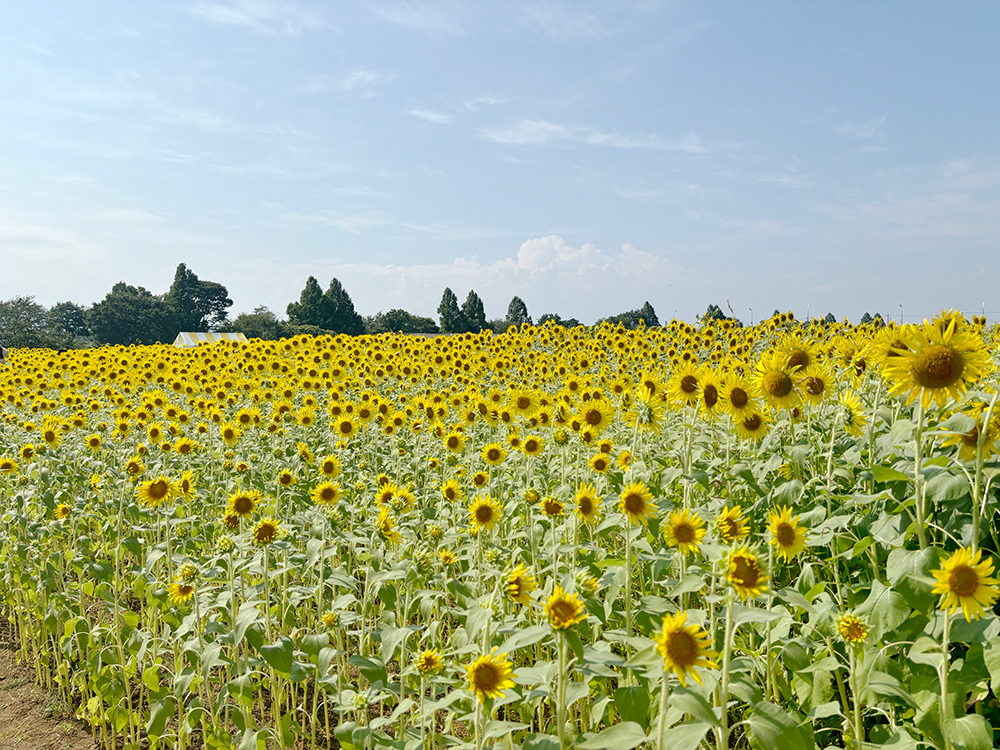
(262, 323)
(558, 320)
(517, 313)
(343, 318)
(69, 319)
(312, 309)
(648, 315)
(400, 321)
(450, 315)
(22, 323)
(474, 312)
(197, 305)
(131, 315)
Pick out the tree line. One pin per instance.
(134, 315)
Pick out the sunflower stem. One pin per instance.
(661, 731)
(918, 488)
(980, 443)
(859, 729)
(561, 694)
(727, 650)
(946, 712)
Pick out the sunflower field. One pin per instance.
(779, 536)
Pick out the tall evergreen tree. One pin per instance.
(197, 305)
(450, 315)
(648, 315)
(517, 313)
(312, 309)
(474, 312)
(344, 318)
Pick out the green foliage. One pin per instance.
(474, 313)
(132, 315)
(22, 323)
(517, 313)
(332, 310)
(399, 321)
(262, 323)
(197, 305)
(450, 315)
(558, 320)
(633, 319)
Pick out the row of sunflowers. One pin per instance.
(681, 537)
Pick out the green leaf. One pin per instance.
(685, 736)
(887, 474)
(633, 705)
(884, 609)
(526, 637)
(991, 655)
(692, 702)
(773, 728)
(160, 712)
(622, 736)
(742, 615)
(888, 686)
(279, 654)
(971, 732)
(945, 488)
(371, 669)
(540, 742)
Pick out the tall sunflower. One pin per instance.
(484, 512)
(564, 609)
(636, 502)
(966, 580)
(786, 534)
(935, 364)
(489, 675)
(731, 524)
(596, 415)
(745, 574)
(588, 508)
(684, 647)
(326, 493)
(684, 530)
(519, 585)
(155, 492)
(774, 380)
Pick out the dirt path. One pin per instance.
(27, 720)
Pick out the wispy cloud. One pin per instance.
(873, 128)
(269, 16)
(439, 118)
(362, 80)
(421, 16)
(483, 101)
(561, 20)
(541, 132)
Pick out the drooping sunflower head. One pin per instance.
(745, 574)
(428, 661)
(685, 530)
(786, 534)
(552, 507)
(564, 609)
(62, 511)
(266, 530)
(854, 418)
(684, 647)
(636, 502)
(731, 524)
(519, 585)
(966, 581)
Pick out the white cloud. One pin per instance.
(480, 101)
(270, 16)
(361, 80)
(439, 118)
(541, 132)
(420, 16)
(873, 128)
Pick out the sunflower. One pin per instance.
(286, 478)
(185, 446)
(154, 492)
(684, 647)
(596, 415)
(964, 580)
(553, 507)
(731, 524)
(186, 485)
(519, 585)
(936, 364)
(775, 381)
(428, 661)
(588, 508)
(683, 387)
(330, 466)
(180, 591)
(244, 504)
(484, 512)
(855, 419)
(266, 530)
(480, 478)
(7, 465)
(489, 675)
(304, 453)
(344, 427)
(786, 534)
(93, 442)
(330, 619)
(600, 462)
(753, 426)
(816, 383)
(454, 442)
(711, 385)
(230, 433)
(532, 445)
(62, 511)
(564, 609)
(968, 441)
(735, 396)
(524, 403)
(745, 574)
(624, 459)
(447, 557)
(637, 503)
(326, 494)
(852, 629)
(684, 530)
(493, 454)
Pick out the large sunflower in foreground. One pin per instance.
(684, 530)
(775, 379)
(935, 364)
(564, 609)
(484, 512)
(156, 491)
(965, 580)
(490, 675)
(786, 534)
(684, 647)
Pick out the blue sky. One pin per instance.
(586, 156)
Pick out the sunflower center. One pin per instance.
(453, 442)
(634, 503)
(586, 506)
(486, 678)
(689, 384)
(682, 648)
(493, 454)
(158, 489)
(752, 423)
(327, 495)
(684, 533)
(711, 395)
(523, 402)
(484, 514)
(937, 366)
(777, 384)
(729, 529)
(785, 534)
(815, 386)
(243, 505)
(971, 438)
(738, 398)
(747, 573)
(798, 358)
(593, 417)
(963, 581)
